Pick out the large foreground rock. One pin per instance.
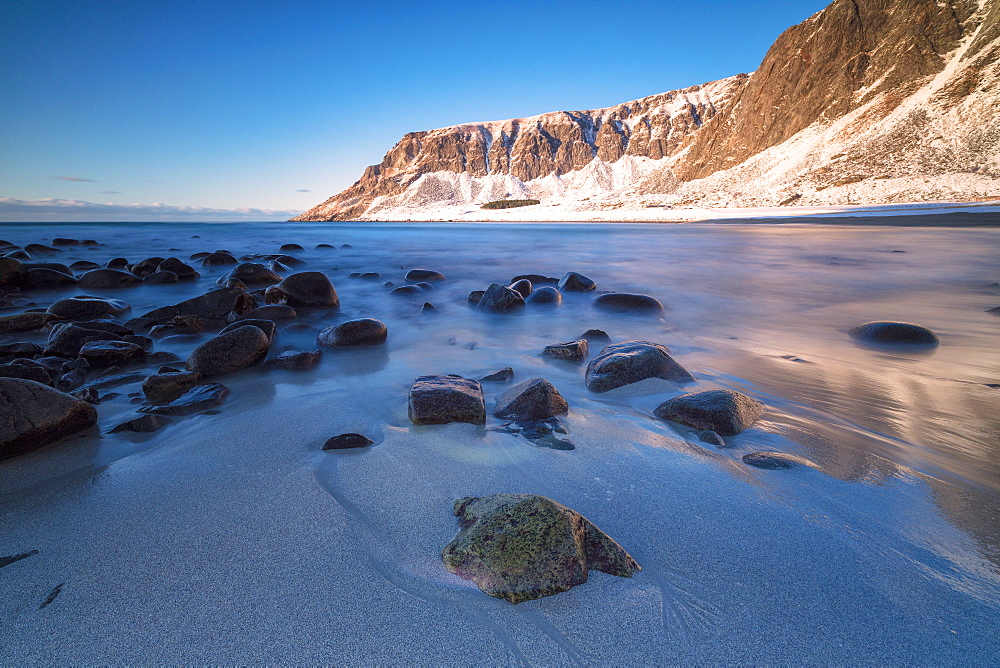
(631, 361)
(228, 352)
(363, 331)
(521, 547)
(307, 288)
(88, 308)
(499, 299)
(33, 415)
(212, 307)
(885, 332)
(444, 399)
(723, 411)
(534, 399)
(65, 340)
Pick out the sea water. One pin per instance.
(232, 537)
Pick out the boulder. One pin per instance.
(84, 265)
(88, 308)
(146, 267)
(266, 326)
(143, 424)
(198, 398)
(41, 249)
(521, 547)
(406, 290)
(536, 279)
(161, 277)
(184, 271)
(572, 351)
(212, 307)
(26, 322)
(290, 247)
(66, 340)
(33, 415)
(885, 332)
(39, 278)
(723, 411)
(102, 354)
(275, 312)
(775, 460)
(218, 260)
(545, 296)
(34, 372)
(620, 302)
(521, 287)
(307, 288)
(501, 376)
(20, 349)
(354, 332)
(596, 336)
(709, 436)
(499, 299)
(631, 361)
(109, 278)
(65, 242)
(444, 399)
(574, 282)
(295, 360)
(346, 441)
(232, 351)
(534, 399)
(414, 275)
(117, 263)
(251, 273)
(476, 296)
(10, 272)
(165, 386)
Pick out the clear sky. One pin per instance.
(261, 106)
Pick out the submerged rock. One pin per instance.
(444, 399)
(574, 282)
(165, 386)
(198, 398)
(631, 361)
(33, 415)
(363, 331)
(108, 278)
(533, 399)
(499, 299)
(545, 296)
(295, 360)
(161, 277)
(521, 287)
(521, 547)
(414, 275)
(596, 336)
(232, 351)
(709, 436)
(723, 411)
(775, 460)
(572, 351)
(218, 259)
(886, 332)
(143, 424)
(501, 376)
(346, 441)
(541, 433)
(620, 302)
(476, 296)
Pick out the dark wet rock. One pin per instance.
(406, 290)
(428, 308)
(185, 272)
(146, 267)
(84, 265)
(143, 424)
(54, 266)
(521, 547)
(232, 283)
(571, 351)
(425, 286)
(545, 296)
(161, 277)
(414, 275)
(161, 357)
(143, 342)
(26, 322)
(65, 340)
(116, 380)
(542, 433)
(18, 255)
(102, 354)
(444, 399)
(41, 249)
(620, 302)
(10, 272)
(218, 260)
(886, 332)
(723, 411)
(574, 282)
(630, 362)
(290, 247)
(501, 376)
(370, 276)
(266, 326)
(476, 296)
(180, 324)
(307, 288)
(59, 241)
(995, 310)
(288, 261)
(20, 349)
(536, 279)
(325, 247)
(90, 243)
(198, 398)
(533, 399)
(346, 441)
(499, 299)
(199, 256)
(33, 415)
(71, 380)
(213, 307)
(295, 360)
(709, 436)
(42, 279)
(251, 273)
(521, 287)
(596, 336)
(26, 371)
(235, 350)
(165, 386)
(89, 395)
(775, 460)
(346, 246)
(118, 263)
(354, 332)
(275, 312)
(108, 278)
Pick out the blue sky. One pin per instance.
(258, 106)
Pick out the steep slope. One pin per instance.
(867, 101)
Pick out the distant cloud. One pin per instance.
(74, 178)
(303, 191)
(77, 211)
(110, 192)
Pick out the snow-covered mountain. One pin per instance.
(866, 101)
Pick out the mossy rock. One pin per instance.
(521, 547)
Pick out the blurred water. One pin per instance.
(907, 442)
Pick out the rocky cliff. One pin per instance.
(879, 100)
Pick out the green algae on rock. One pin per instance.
(521, 547)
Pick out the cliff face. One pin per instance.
(863, 91)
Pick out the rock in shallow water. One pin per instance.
(630, 362)
(620, 302)
(143, 424)
(534, 399)
(499, 299)
(723, 411)
(346, 441)
(33, 415)
(444, 399)
(198, 398)
(307, 288)
(501, 376)
(572, 351)
(545, 296)
(574, 282)
(775, 460)
(88, 308)
(232, 351)
(885, 332)
(295, 360)
(102, 354)
(165, 386)
(363, 331)
(521, 547)
(108, 278)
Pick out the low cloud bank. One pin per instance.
(77, 211)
